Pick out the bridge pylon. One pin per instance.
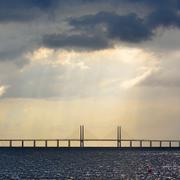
(81, 136)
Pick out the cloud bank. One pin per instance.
(85, 27)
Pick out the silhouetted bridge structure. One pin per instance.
(140, 143)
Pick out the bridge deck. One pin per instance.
(129, 142)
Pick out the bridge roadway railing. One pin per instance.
(60, 142)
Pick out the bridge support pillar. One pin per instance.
(130, 143)
(150, 143)
(57, 143)
(141, 143)
(81, 136)
(46, 143)
(34, 143)
(69, 143)
(169, 143)
(119, 136)
(10, 143)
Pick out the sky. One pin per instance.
(100, 63)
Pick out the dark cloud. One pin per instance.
(24, 11)
(99, 30)
(157, 4)
(16, 4)
(129, 27)
(163, 12)
(82, 41)
(164, 18)
(91, 31)
(29, 10)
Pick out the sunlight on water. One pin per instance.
(88, 164)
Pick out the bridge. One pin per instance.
(118, 141)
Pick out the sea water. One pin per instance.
(79, 163)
